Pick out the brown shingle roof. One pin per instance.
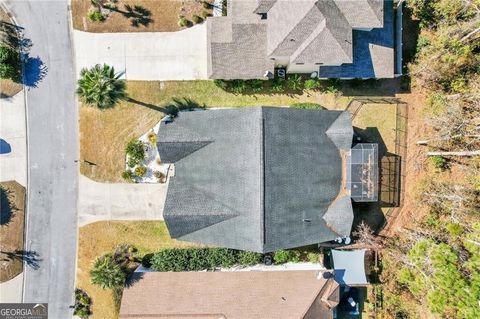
(230, 295)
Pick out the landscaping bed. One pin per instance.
(12, 217)
(100, 238)
(8, 87)
(105, 133)
(153, 15)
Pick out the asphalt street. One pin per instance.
(52, 120)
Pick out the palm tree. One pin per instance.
(100, 86)
(106, 273)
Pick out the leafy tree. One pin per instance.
(107, 273)
(101, 86)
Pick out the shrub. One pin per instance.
(255, 85)
(333, 86)
(205, 14)
(82, 304)
(310, 106)
(439, 162)
(454, 229)
(221, 84)
(277, 85)
(313, 257)
(294, 82)
(183, 22)
(284, 256)
(132, 162)
(195, 259)
(140, 171)
(312, 84)
(238, 86)
(9, 63)
(107, 274)
(160, 176)
(196, 19)
(135, 150)
(152, 138)
(128, 175)
(248, 258)
(207, 5)
(95, 16)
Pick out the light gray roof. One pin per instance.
(349, 267)
(257, 179)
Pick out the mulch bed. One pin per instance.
(12, 217)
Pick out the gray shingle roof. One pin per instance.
(270, 178)
(304, 32)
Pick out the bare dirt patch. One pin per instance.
(12, 216)
(162, 16)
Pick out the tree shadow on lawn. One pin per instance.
(29, 257)
(138, 15)
(177, 105)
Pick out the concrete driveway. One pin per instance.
(13, 139)
(180, 55)
(119, 201)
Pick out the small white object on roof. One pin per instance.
(349, 267)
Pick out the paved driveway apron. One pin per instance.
(119, 201)
(180, 55)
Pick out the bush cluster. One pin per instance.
(82, 304)
(439, 162)
(95, 16)
(294, 82)
(197, 19)
(285, 256)
(309, 106)
(135, 150)
(195, 259)
(183, 22)
(9, 63)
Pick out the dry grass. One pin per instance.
(102, 237)
(104, 134)
(164, 16)
(11, 231)
(381, 117)
(8, 88)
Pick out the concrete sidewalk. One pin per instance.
(180, 55)
(119, 201)
(13, 132)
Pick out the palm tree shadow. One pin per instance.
(29, 257)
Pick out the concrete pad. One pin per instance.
(119, 201)
(11, 291)
(180, 55)
(13, 165)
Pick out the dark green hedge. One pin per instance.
(194, 259)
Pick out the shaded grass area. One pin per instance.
(12, 203)
(104, 134)
(161, 15)
(8, 87)
(102, 237)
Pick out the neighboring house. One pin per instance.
(264, 178)
(324, 38)
(232, 295)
